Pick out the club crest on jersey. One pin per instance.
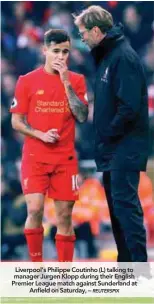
(40, 92)
(14, 103)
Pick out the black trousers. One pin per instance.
(126, 214)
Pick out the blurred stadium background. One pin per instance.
(22, 25)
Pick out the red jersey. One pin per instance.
(41, 97)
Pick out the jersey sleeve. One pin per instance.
(20, 101)
(81, 90)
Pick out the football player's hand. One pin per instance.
(62, 68)
(51, 136)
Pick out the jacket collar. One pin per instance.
(113, 37)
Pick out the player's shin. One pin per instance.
(34, 238)
(65, 247)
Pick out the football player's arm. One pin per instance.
(20, 124)
(76, 99)
(78, 108)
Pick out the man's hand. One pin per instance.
(51, 136)
(78, 108)
(19, 123)
(62, 68)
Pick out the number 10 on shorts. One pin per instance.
(75, 182)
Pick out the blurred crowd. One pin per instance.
(22, 29)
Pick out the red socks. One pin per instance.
(34, 238)
(65, 247)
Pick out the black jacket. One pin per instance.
(121, 105)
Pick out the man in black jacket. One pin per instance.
(121, 127)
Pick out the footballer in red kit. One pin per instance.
(46, 105)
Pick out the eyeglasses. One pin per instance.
(82, 33)
(102, 28)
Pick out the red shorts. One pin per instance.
(59, 182)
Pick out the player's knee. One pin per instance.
(35, 213)
(65, 217)
(64, 214)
